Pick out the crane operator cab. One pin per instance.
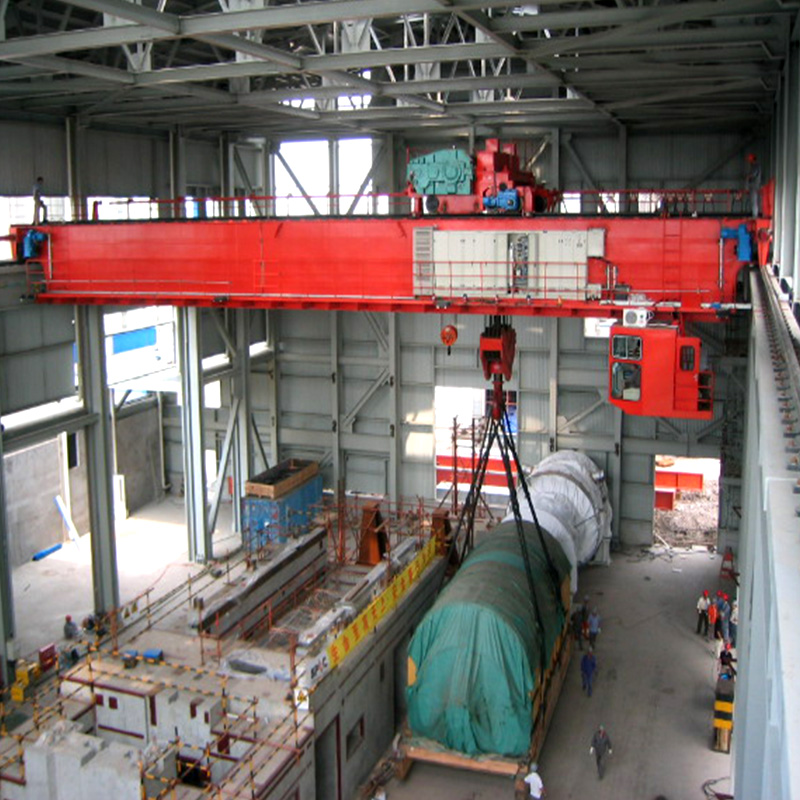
(654, 371)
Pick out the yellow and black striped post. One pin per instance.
(723, 714)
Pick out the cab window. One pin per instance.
(626, 382)
(627, 347)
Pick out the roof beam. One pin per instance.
(608, 17)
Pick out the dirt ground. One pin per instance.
(694, 519)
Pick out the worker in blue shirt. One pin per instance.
(588, 668)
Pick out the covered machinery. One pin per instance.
(481, 660)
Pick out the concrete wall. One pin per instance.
(139, 457)
(33, 479)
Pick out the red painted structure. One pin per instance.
(656, 372)
(672, 269)
(678, 267)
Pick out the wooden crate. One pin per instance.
(281, 479)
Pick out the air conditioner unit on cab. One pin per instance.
(635, 317)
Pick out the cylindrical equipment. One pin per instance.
(483, 651)
(570, 498)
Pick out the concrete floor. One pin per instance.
(654, 693)
(152, 552)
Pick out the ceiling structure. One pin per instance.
(365, 67)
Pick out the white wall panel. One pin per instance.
(416, 364)
(30, 150)
(660, 160)
(202, 164)
(416, 405)
(534, 371)
(36, 356)
(123, 165)
(533, 332)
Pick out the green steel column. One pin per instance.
(243, 450)
(194, 468)
(94, 389)
(7, 654)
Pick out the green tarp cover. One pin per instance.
(477, 650)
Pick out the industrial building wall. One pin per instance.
(341, 401)
(571, 162)
(766, 722)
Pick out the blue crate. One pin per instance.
(265, 520)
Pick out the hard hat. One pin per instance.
(69, 618)
(705, 593)
(751, 157)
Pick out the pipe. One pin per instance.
(474, 662)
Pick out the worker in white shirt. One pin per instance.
(535, 783)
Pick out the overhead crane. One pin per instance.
(653, 273)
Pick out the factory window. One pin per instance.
(571, 203)
(98, 700)
(113, 703)
(355, 737)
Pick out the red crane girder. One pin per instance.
(678, 267)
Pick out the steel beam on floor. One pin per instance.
(194, 469)
(99, 455)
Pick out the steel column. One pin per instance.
(787, 234)
(177, 170)
(334, 187)
(7, 647)
(791, 221)
(268, 165)
(336, 409)
(395, 434)
(555, 159)
(552, 368)
(622, 166)
(74, 169)
(243, 451)
(272, 386)
(99, 467)
(194, 468)
(616, 476)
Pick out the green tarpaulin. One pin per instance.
(476, 652)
